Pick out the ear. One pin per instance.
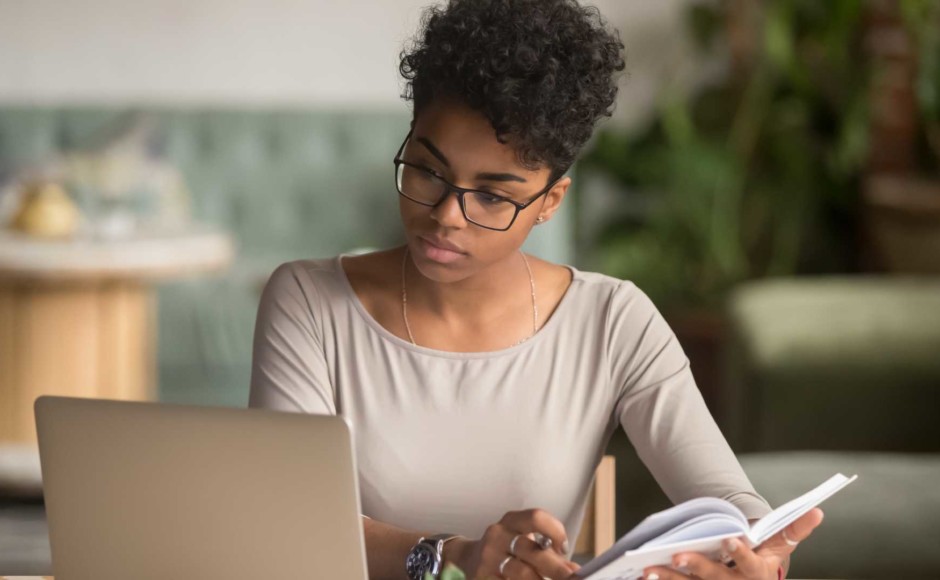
(553, 198)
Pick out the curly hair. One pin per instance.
(541, 71)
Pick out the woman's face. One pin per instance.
(459, 145)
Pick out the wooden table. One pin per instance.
(77, 317)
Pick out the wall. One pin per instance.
(261, 52)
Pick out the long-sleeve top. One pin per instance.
(450, 441)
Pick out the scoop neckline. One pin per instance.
(398, 341)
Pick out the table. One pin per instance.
(77, 316)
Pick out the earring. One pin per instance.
(539, 220)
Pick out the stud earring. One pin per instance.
(539, 220)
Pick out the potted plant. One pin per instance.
(755, 174)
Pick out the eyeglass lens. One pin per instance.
(488, 210)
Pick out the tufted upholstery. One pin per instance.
(286, 183)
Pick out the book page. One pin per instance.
(661, 523)
(791, 511)
(630, 565)
(703, 526)
(698, 525)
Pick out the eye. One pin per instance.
(427, 173)
(491, 198)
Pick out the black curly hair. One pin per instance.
(541, 71)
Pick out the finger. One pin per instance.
(804, 526)
(548, 563)
(497, 540)
(796, 531)
(746, 561)
(519, 570)
(538, 520)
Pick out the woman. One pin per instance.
(484, 384)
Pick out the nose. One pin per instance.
(447, 212)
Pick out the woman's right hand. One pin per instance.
(482, 558)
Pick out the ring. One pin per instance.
(512, 545)
(503, 565)
(787, 539)
(544, 542)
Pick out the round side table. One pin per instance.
(77, 316)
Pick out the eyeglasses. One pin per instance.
(487, 210)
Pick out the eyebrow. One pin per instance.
(481, 176)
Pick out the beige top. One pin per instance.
(449, 442)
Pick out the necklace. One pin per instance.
(404, 300)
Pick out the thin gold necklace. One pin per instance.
(404, 300)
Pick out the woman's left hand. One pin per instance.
(759, 564)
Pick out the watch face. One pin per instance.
(421, 560)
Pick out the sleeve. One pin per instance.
(288, 368)
(662, 411)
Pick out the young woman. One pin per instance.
(484, 384)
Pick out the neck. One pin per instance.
(479, 297)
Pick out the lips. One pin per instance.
(440, 251)
(442, 244)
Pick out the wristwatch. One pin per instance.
(426, 557)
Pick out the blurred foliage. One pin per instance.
(450, 572)
(923, 20)
(754, 175)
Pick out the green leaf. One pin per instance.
(452, 572)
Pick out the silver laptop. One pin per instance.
(148, 490)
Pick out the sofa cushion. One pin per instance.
(884, 525)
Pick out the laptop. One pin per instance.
(149, 490)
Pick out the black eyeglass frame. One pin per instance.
(460, 191)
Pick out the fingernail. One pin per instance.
(652, 576)
(564, 547)
(731, 545)
(682, 562)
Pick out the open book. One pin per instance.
(698, 525)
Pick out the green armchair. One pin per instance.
(843, 375)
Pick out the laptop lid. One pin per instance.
(149, 490)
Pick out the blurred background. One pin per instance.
(770, 177)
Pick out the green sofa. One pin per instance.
(842, 374)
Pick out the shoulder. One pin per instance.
(373, 270)
(615, 296)
(333, 280)
(303, 284)
(303, 273)
(628, 314)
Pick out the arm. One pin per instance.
(662, 411)
(387, 547)
(289, 373)
(288, 367)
